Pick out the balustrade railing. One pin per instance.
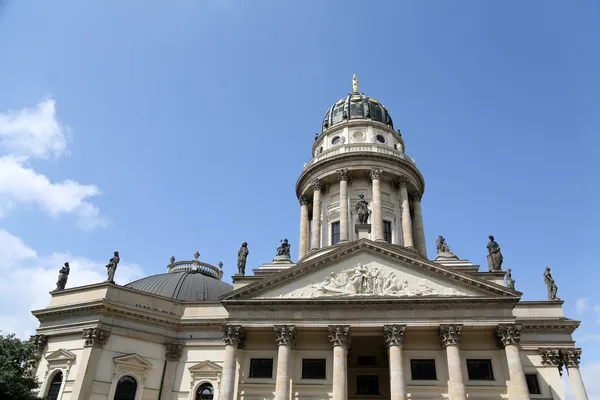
(358, 148)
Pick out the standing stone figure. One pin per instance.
(494, 255)
(63, 275)
(510, 282)
(284, 249)
(242, 255)
(111, 267)
(362, 209)
(552, 288)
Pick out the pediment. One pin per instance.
(367, 269)
(205, 366)
(133, 360)
(60, 355)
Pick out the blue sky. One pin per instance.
(183, 126)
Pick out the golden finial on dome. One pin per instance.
(354, 84)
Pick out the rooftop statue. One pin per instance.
(354, 84)
(443, 250)
(550, 284)
(241, 261)
(63, 275)
(495, 257)
(510, 282)
(362, 209)
(284, 249)
(111, 267)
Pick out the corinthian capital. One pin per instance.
(233, 335)
(375, 173)
(570, 357)
(550, 356)
(173, 351)
(508, 334)
(285, 335)
(342, 174)
(394, 334)
(401, 181)
(38, 342)
(95, 337)
(303, 200)
(339, 335)
(450, 334)
(316, 184)
(416, 196)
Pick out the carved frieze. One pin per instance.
(95, 337)
(508, 334)
(394, 334)
(233, 335)
(450, 334)
(285, 335)
(339, 335)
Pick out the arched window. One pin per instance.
(126, 388)
(205, 392)
(54, 387)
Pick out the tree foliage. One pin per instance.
(17, 381)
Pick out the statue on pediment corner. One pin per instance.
(494, 257)
(443, 250)
(510, 282)
(284, 249)
(111, 267)
(241, 261)
(63, 276)
(550, 284)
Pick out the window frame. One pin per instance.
(304, 376)
(251, 369)
(535, 375)
(435, 371)
(333, 235)
(51, 382)
(491, 369)
(389, 233)
(137, 386)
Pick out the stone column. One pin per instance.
(286, 338)
(407, 235)
(377, 221)
(303, 246)
(570, 358)
(450, 337)
(509, 336)
(233, 336)
(94, 340)
(417, 222)
(172, 356)
(316, 224)
(344, 225)
(339, 335)
(394, 337)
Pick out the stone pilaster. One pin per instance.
(303, 246)
(450, 337)
(172, 356)
(233, 336)
(94, 340)
(344, 225)
(375, 175)
(339, 335)
(407, 234)
(417, 224)
(394, 337)
(316, 224)
(570, 358)
(286, 338)
(509, 336)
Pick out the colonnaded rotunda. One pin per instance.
(364, 313)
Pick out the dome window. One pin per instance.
(380, 138)
(335, 140)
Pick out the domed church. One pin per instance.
(364, 312)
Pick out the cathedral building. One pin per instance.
(364, 312)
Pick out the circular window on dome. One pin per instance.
(380, 138)
(358, 136)
(336, 140)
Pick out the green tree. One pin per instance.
(17, 381)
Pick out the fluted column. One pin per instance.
(172, 356)
(570, 358)
(303, 246)
(344, 225)
(375, 175)
(407, 235)
(316, 224)
(509, 336)
(417, 222)
(94, 339)
(233, 336)
(339, 335)
(394, 337)
(450, 337)
(286, 338)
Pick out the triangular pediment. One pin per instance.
(60, 355)
(366, 269)
(133, 360)
(205, 366)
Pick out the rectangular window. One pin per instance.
(367, 384)
(261, 368)
(423, 370)
(533, 384)
(335, 232)
(480, 370)
(366, 360)
(313, 368)
(387, 231)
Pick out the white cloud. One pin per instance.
(27, 279)
(581, 305)
(37, 133)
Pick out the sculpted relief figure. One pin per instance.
(495, 257)
(550, 284)
(63, 275)
(241, 261)
(111, 267)
(362, 209)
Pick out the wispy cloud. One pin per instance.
(582, 305)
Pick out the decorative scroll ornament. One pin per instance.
(450, 334)
(509, 334)
(339, 335)
(394, 334)
(233, 335)
(95, 337)
(285, 335)
(173, 351)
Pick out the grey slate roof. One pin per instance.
(183, 286)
